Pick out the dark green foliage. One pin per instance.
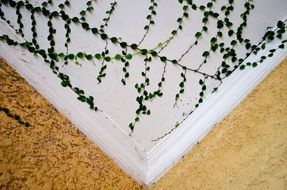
(16, 117)
(125, 55)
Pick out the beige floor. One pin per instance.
(247, 150)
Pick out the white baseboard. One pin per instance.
(145, 167)
(216, 106)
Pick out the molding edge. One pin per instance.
(215, 107)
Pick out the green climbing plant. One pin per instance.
(128, 51)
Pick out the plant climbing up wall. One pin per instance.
(142, 63)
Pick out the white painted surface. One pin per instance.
(138, 155)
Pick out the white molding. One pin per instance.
(216, 106)
(145, 167)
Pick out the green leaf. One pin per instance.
(205, 54)
(134, 46)
(71, 56)
(233, 42)
(214, 47)
(64, 83)
(80, 55)
(163, 59)
(198, 34)
(143, 51)
(242, 67)
(194, 7)
(129, 56)
(280, 24)
(104, 36)
(118, 57)
(219, 34)
(160, 45)
(98, 56)
(85, 26)
(82, 98)
(219, 24)
(82, 13)
(131, 126)
(174, 61)
(203, 87)
(107, 59)
(201, 82)
(123, 44)
(174, 32)
(94, 30)
(153, 53)
(75, 19)
(114, 39)
(281, 46)
(89, 56)
(185, 7)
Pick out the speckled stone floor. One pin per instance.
(51, 153)
(247, 150)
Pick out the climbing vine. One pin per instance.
(16, 117)
(128, 51)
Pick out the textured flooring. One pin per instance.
(247, 150)
(51, 153)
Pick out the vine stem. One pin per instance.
(196, 71)
(149, 24)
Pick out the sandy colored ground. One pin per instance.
(247, 150)
(51, 153)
